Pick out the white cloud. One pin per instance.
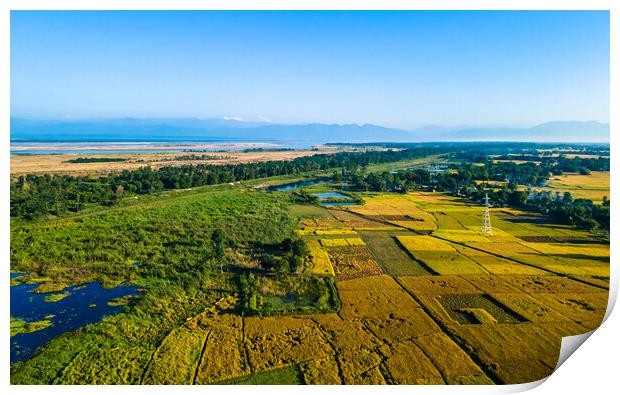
(264, 119)
(234, 119)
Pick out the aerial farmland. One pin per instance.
(308, 282)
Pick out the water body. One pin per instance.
(96, 151)
(327, 195)
(330, 204)
(57, 147)
(335, 195)
(85, 305)
(296, 185)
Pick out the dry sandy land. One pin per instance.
(50, 163)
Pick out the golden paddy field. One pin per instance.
(424, 299)
(593, 186)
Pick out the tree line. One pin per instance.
(33, 196)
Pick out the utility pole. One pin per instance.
(487, 230)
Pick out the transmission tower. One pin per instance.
(487, 230)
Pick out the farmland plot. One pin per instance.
(391, 256)
(353, 262)
(439, 255)
(320, 259)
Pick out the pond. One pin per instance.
(327, 195)
(329, 204)
(329, 199)
(85, 304)
(295, 185)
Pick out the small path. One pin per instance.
(202, 353)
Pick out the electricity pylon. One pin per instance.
(487, 230)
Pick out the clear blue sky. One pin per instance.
(399, 69)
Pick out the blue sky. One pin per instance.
(398, 69)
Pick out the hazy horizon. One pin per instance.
(251, 120)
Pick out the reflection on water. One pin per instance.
(327, 195)
(86, 304)
(325, 199)
(339, 203)
(295, 185)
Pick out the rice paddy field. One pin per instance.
(592, 186)
(445, 304)
(423, 298)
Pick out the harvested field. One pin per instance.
(353, 262)
(275, 342)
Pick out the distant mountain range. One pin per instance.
(215, 129)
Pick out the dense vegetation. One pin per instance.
(187, 252)
(168, 237)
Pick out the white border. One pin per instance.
(592, 370)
